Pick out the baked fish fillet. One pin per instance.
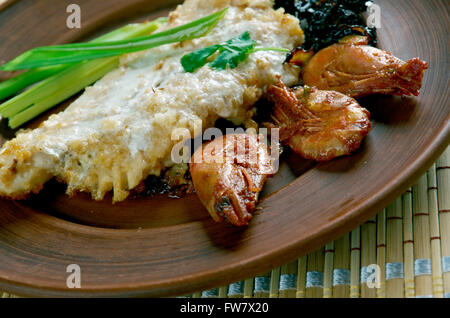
(119, 131)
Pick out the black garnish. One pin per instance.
(156, 185)
(325, 22)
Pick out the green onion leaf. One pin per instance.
(76, 73)
(17, 83)
(68, 81)
(69, 53)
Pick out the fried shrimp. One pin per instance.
(228, 175)
(357, 70)
(319, 125)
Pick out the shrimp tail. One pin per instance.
(411, 75)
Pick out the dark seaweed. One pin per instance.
(326, 22)
(156, 185)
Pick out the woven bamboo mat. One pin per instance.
(402, 252)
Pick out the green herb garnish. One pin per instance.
(19, 82)
(229, 53)
(70, 53)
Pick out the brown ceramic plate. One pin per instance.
(161, 246)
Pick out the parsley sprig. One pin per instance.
(230, 54)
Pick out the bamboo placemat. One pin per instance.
(402, 252)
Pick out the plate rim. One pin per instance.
(364, 210)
